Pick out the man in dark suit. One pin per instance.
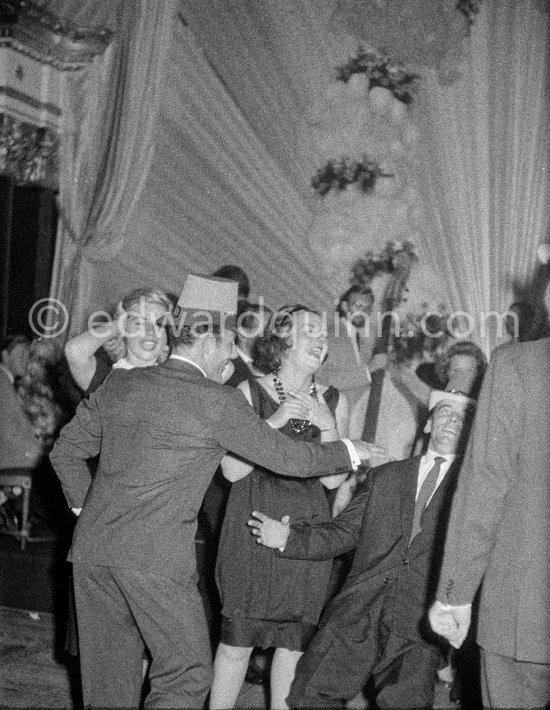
(374, 628)
(160, 433)
(499, 531)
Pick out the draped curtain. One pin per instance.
(110, 115)
(195, 159)
(214, 195)
(484, 163)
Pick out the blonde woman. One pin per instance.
(132, 339)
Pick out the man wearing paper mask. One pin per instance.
(375, 628)
(160, 433)
(499, 531)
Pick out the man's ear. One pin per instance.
(428, 425)
(208, 343)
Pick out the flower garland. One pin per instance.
(416, 333)
(380, 71)
(338, 174)
(387, 261)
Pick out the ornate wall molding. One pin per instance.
(35, 32)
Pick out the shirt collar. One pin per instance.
(430, 455)
(186, 359)
(245, 357)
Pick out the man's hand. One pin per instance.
(270, 532)
(451, 622)
(374, 454)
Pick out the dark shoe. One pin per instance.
(257, 676)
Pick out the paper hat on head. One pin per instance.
(543, 253)
(207, 301)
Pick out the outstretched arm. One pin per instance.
(312, 541)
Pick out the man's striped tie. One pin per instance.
(424, 495)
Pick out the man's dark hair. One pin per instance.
(188, 334)
(235, 273)
(248, 316)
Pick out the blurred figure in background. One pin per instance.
(252, 324)
(20, 448)
(235, 273)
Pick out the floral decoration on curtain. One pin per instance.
(28, 153)
(338, 174)
(380, 71)
(418, 328)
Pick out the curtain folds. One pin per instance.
(110, 114)
(485, 163)
(198, 155)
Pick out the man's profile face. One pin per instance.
(219, 354)
(451, 421)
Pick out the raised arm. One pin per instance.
(313, 541)
(81, 349)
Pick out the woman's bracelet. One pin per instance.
(332, 428)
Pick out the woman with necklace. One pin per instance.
(270, 602)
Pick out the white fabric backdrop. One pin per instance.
(485, 160)
(228, 183)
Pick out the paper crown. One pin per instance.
(452, 395)
(543, 253)
(207, 301)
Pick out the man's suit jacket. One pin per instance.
(341, 369)
(378, 523)
(161, 432)
(499, 530)
(389, 580)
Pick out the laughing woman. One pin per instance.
(133, 338)
(270, 602)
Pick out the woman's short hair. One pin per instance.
(144, 295)
(270, 348)
(136, 297)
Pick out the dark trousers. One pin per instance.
(338, 664)
(120, 612)
(507, 683)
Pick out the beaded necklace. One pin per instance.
(298, 425)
